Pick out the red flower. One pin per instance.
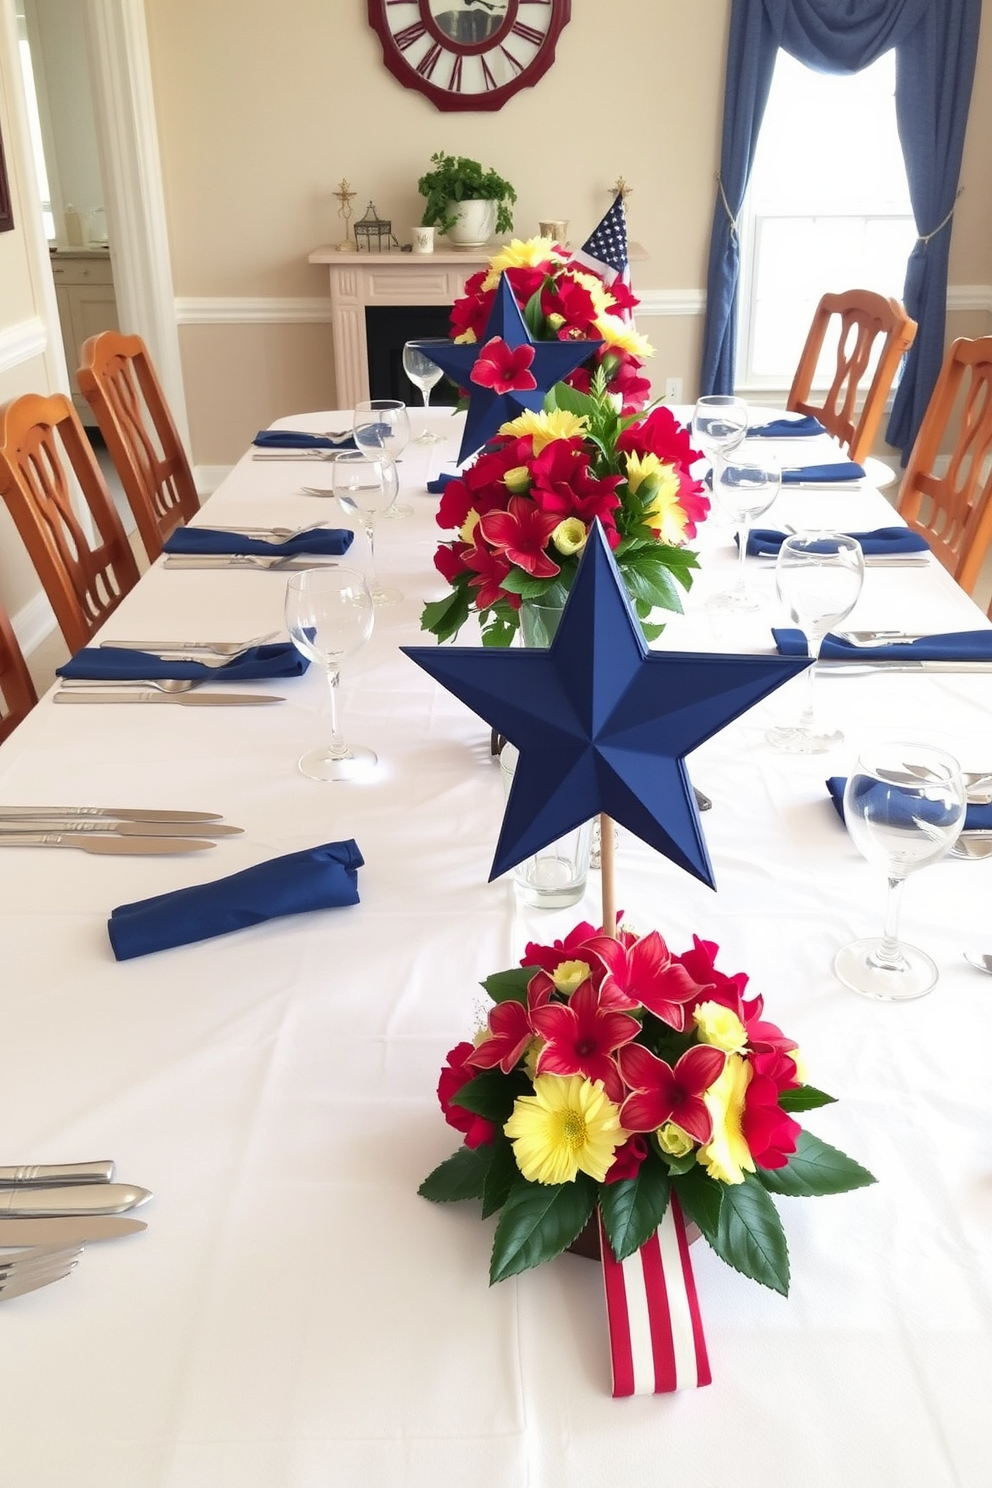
(478, 1131)
(644, 971)
(660, 434)
(770, 1132)
(624, 299)
(521, 533)
(581, 1035)
(510, 1032)
(490, 569)
(449, 560)
(470, 313)
(569, 949)
(627, 1159)
(662, 1093)
(454, 506)
(504, 369)
(571, 301)
(565, 486)
(526, 280)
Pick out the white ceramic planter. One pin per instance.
(475, 223)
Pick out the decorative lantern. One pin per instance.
(374, 233)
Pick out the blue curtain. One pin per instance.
(935, 43)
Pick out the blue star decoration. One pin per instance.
(602, 723)
(487, 409)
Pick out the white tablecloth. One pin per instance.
(295, 1314)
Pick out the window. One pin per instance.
(827, 208)
(34, 126)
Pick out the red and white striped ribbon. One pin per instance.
(656, 1333)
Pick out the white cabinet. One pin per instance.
(84, 288)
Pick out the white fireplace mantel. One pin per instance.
(361, 279)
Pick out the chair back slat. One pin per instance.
(17, 694)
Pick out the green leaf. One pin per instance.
(815, 1168)
(518, 582)
(502, 1175)
(510, 986)
(490, 1094)
(461, 1176)
(497, 631)
(534, 315)
(651, 632)
(445, 617)
(633, 1209)
(571, 400)
(538, 1222)
(701, 1199)
(806, 1098)
(750, 1236)
(677, 1165)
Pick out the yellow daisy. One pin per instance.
(726, 1156)
(616, 332)
(567, 1126)
(519, 254)
(545, 427)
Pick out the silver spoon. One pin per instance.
(972, 845)
(980, 960)
(163, 684)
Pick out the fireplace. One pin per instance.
(387, 329)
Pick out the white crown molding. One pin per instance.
(253, 310)
(19, 343)
(33, 623)
(671, 302)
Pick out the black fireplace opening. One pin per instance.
(388, 328)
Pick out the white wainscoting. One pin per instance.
(19, 343)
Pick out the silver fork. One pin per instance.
(227, 649)
(163, 684)
(29, 1270)
(273, 535)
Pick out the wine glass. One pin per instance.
(383, 424)
(904, 806)
(329, 616)
(421, 370)
(365, 485)
(719, 424)
(818, 576)
(742, 492)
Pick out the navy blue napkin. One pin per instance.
(787, 428)
(327, 541)
(976, 818)
(318, 878)
(118, 664)
(437, 486)
(299, 439)
(827, 475)
(957, 645)
(764, 542)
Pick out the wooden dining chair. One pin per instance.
(849, 327)
(946, 497)
(43, 447)
(17, 694)
(119, 383)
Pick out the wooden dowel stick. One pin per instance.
(606, 875)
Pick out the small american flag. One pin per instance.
(605, 250)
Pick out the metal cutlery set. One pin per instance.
(213, 655)
(47, 1214)
(110, 830)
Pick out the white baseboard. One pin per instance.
(33, 623)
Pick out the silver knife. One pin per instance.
(108, 846)
(77, 1198)
(49, 822)
(291, 563)
(308, 453)
(47, 1173)
(827, 667)
(67, 1229)
(184, 699)
(116, 813)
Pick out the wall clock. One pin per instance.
(468, 54)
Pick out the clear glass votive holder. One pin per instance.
(555, 877)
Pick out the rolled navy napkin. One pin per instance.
(118, 664)
(437, 486)
(882, 542)
(837, 473)
(299, 439)
(958, 645)
(976, 818)
(318, 878)
(787, 428)
(326, 541)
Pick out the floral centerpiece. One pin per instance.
(522, 510)
(614, 1074)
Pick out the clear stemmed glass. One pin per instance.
(719, 424)
(819, 577)
(383, 424)
(365, 485)
(743, 492)
(329, 616)
(421, 370)
(904, 806)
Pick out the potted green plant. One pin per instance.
(464, 200)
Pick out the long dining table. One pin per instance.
(295, 1315)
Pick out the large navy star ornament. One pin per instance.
(602, 723)
(487, 409)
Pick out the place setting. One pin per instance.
(133, 671)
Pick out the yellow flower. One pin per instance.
(469, 525)
(467, 338)
(617, 332)
(641, 468)
(568, 975)
(673, 1140)
(569, 537)
(666, 515)
(720, 1026)
(567, 1126)
(726, 1156)
(546, 427)
(517, 480)
(520, 255)
(598, 293)
(800, 1064)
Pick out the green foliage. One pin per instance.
(806, 1098)
(537, 1222)
(445, 617)
(750, 1237)
(456, 178)
(815, 1168)
(509, 986)
(633, 1209)
(461, 1176)
(502, 1174)
(491, 1094)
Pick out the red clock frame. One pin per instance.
(439, 72)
